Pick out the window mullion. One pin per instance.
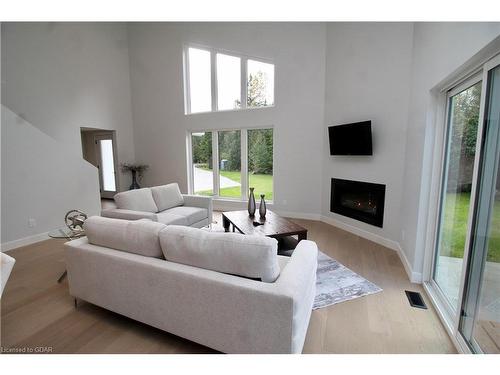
(187, 91)
(243, 82)
(244, 163)
(215, 162)
(213, 68)
(189, 144)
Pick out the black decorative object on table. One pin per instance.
(251, 203)
(137, 170)
(262, 207)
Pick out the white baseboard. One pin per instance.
(393, 245)
(414, 277)
(299, 215)
(7, 246)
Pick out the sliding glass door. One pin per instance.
(463, 117)
(480, 318)
(464, 281)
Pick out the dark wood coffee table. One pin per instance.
(273, 226)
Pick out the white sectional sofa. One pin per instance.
(164, 204)
(227, 291)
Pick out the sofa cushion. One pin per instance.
(138, 237)
(236, 254)
(192, 214)
(167, 196)
(136, 200)
(168, 218)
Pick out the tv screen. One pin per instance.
(351, 139)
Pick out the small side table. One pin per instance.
(69, 235)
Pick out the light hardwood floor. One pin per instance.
(36, 311)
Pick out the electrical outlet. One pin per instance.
(31, 222)
(284, 201)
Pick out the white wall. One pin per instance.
(298, 51)
(40, 181)
(63, 76)
(439, 49)
(367, 78)
(59, 77)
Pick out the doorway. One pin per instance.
(99, 149)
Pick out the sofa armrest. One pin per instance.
(119, 213)
(298, 280)
(301, 267)
(199, 201)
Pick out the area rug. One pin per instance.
(336, 283)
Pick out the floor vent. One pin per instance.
(415, 299)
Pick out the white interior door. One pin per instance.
(106, 163)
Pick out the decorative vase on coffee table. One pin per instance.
(251, 203)
(262, 207)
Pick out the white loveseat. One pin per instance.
(227, 291)
(164, 204)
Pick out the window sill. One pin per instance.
(223, 199)
(230, 110)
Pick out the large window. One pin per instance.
(217, 81)
(227, 163)
(202, 163)
(260, 161)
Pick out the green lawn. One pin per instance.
(455, 226)
(263, 184)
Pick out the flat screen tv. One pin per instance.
(351, 139)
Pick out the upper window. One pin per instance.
(218, 81)
(260, 84)
(200, 80)
(228, 82)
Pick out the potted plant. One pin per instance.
(137, 171)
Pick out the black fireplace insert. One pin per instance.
(358, 200)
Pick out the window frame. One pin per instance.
(215, 161)
(213, 69)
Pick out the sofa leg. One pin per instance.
(76, 303)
